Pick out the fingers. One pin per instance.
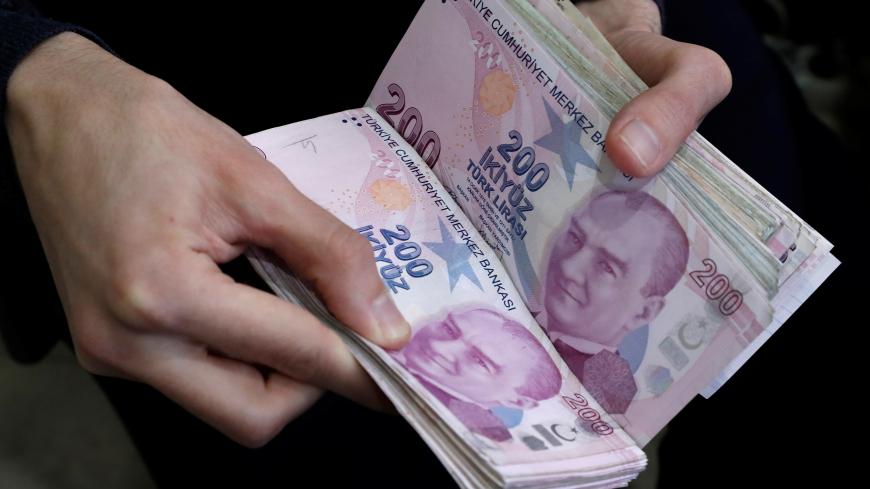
(177, 288)
(337, 262)
(237, 398)
(234, 397)
(170, 331)
(262, 329)
(686, 81)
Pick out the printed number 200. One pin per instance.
(410, 126)
(718, 288)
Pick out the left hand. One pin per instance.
(686, 81)
(138, 195)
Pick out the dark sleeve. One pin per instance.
(31, 315)
(21, 30)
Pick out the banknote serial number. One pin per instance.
(410, 126)
(717, 287)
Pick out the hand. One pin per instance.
(686, 81)
(137, 196)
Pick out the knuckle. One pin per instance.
(305, 365)
(701, 79)
(140, 300)
(347, 249)
(721, 74)
(91, 364)
(261, 194)
(674, 109)
(241, 172)
(346, 258)
(156, 87)
(265, 212)
(253, 436)
(308, 362)
(93, 351)
(711, 68)
(142, 98)
(91, 356)
(258, 425)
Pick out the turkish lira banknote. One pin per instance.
(498, 394)
(562, 311)
(640, 299)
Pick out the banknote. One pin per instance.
(788, 239)
(478, 360)
(637, 296)
(562, 311)
(802, 256)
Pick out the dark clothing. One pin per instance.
(271, 72)
(22, 30)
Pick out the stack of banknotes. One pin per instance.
(562, 312)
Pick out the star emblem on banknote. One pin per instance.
(456, 254)
(564, 140)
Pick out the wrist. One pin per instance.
(65, 71)
(65, 91)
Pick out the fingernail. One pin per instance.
(642, 141)
(393, 327)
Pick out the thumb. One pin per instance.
(686, 81)
(333, 259)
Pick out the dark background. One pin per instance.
(792, 415)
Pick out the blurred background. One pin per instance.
(58, 431)
(825, 46)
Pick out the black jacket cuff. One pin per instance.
(21, 33)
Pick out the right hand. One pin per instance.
(137, 196)
(686, 82)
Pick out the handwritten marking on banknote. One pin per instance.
(307, 143)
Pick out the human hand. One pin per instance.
(137, 196)
(686, 81)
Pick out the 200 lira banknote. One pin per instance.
(497, 393)
(562, 312)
